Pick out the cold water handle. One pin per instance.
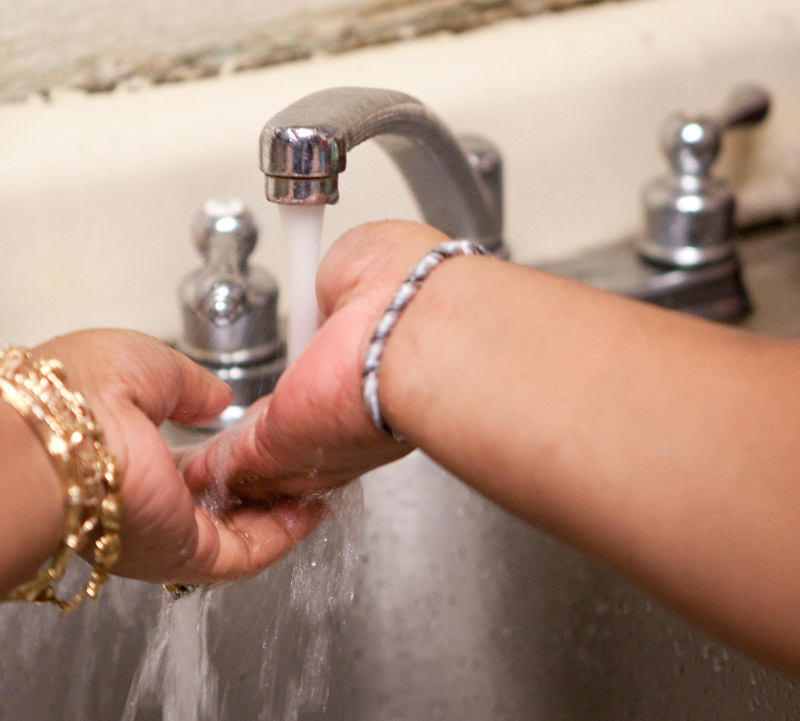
(230, 307)
(689, 214)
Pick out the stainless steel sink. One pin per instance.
(461, 613)
(771, 262)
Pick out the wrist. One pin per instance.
(32, 513)
(428, 356)
(67, 430)
(395, 309)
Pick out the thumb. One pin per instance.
(200, 396)
(114, 365)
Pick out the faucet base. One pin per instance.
(715, 291)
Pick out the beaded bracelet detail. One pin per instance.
(405, 293)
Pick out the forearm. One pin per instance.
(31, 513)
(662, 445)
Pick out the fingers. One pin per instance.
(245, 541)
(250, 464)
(198, 545)
(121, 365)
(163, 383)
(222, 459)
(200, 396)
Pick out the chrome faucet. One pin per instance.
(230, 308)
(686, 259)
(689, 213)
(457, 183)
(230, 321)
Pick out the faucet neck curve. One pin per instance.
(304, 148)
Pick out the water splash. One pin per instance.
(280, 625)
(176, 668)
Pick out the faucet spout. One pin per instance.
(456, 183)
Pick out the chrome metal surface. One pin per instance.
(230, 308)
(689, 214)
(716, 291)
(768, 263)
(304, 148)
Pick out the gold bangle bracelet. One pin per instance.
(88, 473)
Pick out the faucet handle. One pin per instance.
(224, 231)
(692, 142)
(689, 214)
(230, 307)
(747, 105)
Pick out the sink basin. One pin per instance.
(461, 613)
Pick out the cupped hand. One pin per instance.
(132, 383)
(312, 433)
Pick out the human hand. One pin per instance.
(312, 433)
(132, 383)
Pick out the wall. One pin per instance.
(97, 191)
(98, 44)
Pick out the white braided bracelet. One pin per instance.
(407, 290)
